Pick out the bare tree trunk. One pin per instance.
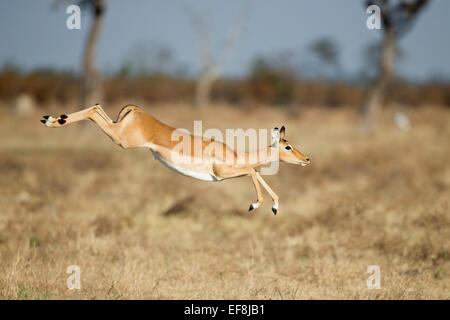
(202, 91)
(203, 87)
(397, 20)
(91, 81)
(212, 68)
(373, 101)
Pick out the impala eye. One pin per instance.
(288, 148)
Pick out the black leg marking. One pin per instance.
(46, 117)
(274, 210)
(251, 207)
(44, 121)
(61, 121)
(63, 116)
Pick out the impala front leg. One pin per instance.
(260, 198)
(227, 172)
(270, 191)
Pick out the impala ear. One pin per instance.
(275, 137)
(282, 132)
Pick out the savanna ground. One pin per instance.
(138, 230)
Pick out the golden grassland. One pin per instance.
(140, 231)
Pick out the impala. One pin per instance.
(136, 128)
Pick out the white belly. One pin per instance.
(183, 171)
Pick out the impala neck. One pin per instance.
(259, 157)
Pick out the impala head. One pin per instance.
(287, 152)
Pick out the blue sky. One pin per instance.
(34, 34)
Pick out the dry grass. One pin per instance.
(137, 230)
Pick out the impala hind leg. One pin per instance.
(92, 113)
(95, 114)
(270, 191)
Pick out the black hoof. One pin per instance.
(61, 121)
(274, 210)
(251, 207)
(63, 116)
(46, 117)
(44, 121)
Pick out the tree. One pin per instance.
(91, 80)
(271, 83)
(151, 57)
(327, 52)
(371, 55)
(212, 68)
(398, 18)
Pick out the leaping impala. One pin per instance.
(135, 128)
